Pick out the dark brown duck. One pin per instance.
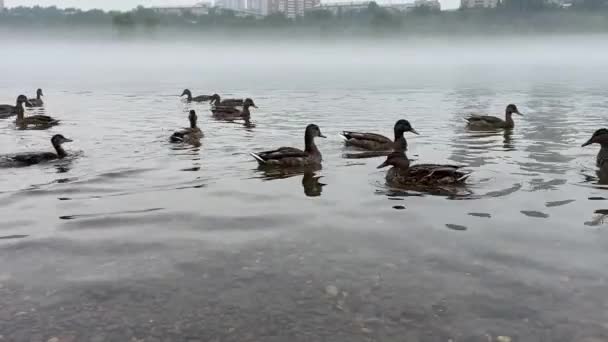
(377, 142)
(291, 157)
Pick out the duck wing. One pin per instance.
(437, 173)
(484, 118)
(284, 157)
(33, 157)
(186, 134)
(202, 98)
(367, 141)
(232, 102)
(225, 110)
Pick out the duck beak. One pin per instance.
(414, 131)
(256, 107)
(322, 136)
(589, 142)
(518, 113)
(383, 165)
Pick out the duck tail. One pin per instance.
(464, 177)
(258, 158)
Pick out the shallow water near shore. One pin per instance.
(133, 238)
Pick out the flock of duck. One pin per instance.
(402, 173)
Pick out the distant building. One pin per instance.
(479, 3)
(202, 8)
(292, 8)
(432, 4)
(337, 8)
(261, 7)
(356, 6)
(236, 5)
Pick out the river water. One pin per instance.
(134, 239)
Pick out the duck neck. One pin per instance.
(20, 111)
(60, 151)
(403, 164)
(509, 119)
(193, 124)
(309, 144)
(246, 110)
(38, 96)
(400, 144)
(603, 154)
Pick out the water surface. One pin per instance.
(136, 239)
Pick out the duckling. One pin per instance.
(421, 175)
(189, 135)
(377, 142)
(25, 159)
(286, 157)
(480, 122)
(8, 110)
(37, 102)
(200, 98)
(217, 101)
(39, 121)
(600, 137)
(233, 112)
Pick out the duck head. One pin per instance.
(249, 103)
(21, 99)
(512, 109)
(314, 131)
(599, 137)
(186, 92)
(215, 99)
(403, 126)
(59, 139)
(39, 93)
(192, 117)
(396, 159)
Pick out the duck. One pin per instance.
(9, 110)
(600, 137)
(188, 135)
(421, 176)
(377, 142)
(200, 98)
(291, 157)
(25, 159)
(482, 122)
(217, 101)
(229, 112)
(39, 121)
(37, 102)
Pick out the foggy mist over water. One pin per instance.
(137, 239)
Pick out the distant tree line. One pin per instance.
(511, 16)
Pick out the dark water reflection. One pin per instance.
(137, 239)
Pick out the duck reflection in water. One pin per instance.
(310, 181)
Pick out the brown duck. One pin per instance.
(377, 142)
(233, 112)
(25, 159)
(291, 157)
(36, 102)
(200, 98)
(10, 110)
(217, 101)
(421, 176)
(190, 135)
(38, 121)
(482, 122)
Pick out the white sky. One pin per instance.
(129, 4)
